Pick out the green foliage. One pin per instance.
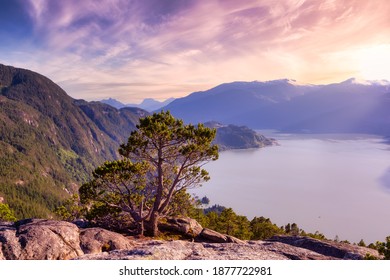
(315, 235)
(6, 213)
(32, 198)
(369, 257)
(71, 209)
(362, 243)
(384, 248)
(215, 208)
(262, 228)
(161, 160)
(372, 246)
(292, 229)
(181, 204)
(226, 221)
(75, 165)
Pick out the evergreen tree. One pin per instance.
(161, 159)
(384, 248)
(262, 228)
(227, 221)
(362, 243)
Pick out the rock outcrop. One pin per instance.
(35, 239)
(40, 240)
(97, 240)
(332, 249)
(185, 226)
(190, 228)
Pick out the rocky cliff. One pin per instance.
(34, 239)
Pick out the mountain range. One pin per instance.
(50, 143)
(351, 106)
(148, 104)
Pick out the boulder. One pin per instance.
(209, 235)
(212, 236)
(10, 248)
(97, 240)
(35, 239)
(191, 228)
(185, 226)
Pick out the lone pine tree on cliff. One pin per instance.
(162, 158)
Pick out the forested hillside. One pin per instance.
(49, 142)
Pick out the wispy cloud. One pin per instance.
(191, 45)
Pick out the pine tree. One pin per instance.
(162, 158)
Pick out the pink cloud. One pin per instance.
(196, 44)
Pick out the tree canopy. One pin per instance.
(162, 158)
(6, 213)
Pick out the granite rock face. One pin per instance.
(185, 226)
(336, 250)
(35, 239)
(184, 250)
(97, 240)
(40, 240)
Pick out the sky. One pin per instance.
(135, 49)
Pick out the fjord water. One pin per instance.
(336, 184)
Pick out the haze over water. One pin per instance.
(336, 184)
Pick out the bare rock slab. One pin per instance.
(97, 240)
(35, 239)
(186, 226)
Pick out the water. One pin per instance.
(336, 184)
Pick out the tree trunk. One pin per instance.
(152, 225)
(141, 228)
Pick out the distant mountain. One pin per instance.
(114, 103)
(350, 106)
(49, 142)
(148, 104)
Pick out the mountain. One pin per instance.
(114, 103)
(50, 142)
(350, 106)
(238, 137)
(148, 104)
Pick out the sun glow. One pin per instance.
(374, 63)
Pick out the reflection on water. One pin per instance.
(331, 183)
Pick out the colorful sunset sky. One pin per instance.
(134, 49)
